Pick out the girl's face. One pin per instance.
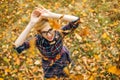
(48, 33)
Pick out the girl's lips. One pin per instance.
(50, 38)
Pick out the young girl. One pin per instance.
(49, 42)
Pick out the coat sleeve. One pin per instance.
(70, 26)
(26, 44)
(23, 47)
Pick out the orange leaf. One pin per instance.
(54, 24)
(17, 61)
(114, 70)
(85, 32)
(7, 70)
(1, 79)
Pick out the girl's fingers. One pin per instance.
(41, 6)
(37, 8)
(36, 13)
(41, 11)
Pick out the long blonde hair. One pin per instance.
(41, 24)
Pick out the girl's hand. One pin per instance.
(35, 16)
(44, 12)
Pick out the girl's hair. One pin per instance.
(41, 24)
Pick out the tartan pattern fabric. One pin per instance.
(56, 69)
(47, 49)
(51, 50)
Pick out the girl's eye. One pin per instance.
(46, 32)
(51, 29)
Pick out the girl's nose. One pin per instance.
(49, 34)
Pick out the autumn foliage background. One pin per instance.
(94, 45)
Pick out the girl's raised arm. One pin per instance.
(68, 18)
(35, 17)
(48, 14)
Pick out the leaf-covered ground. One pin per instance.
(94, 45)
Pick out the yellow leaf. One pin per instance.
(96, 57)
(84, 1)
(6, 59)
(32, 46)
(15, 55)
(1, 79)
(92, 78)
(91, 10)
(35, 78)
(66, 71)
(52, 79)
(78, 36)
(17, 61)
(84, 14)
(114, 24)
(29, 61)
(114, 70)
(73, 1)
(7, 70)
(115, 10)
(20, 77)
(76, 77)
(23, 4)
(105, 36)
(72, 76)
(57, 5)
(1, 36)
(14, 71)
(23, 19)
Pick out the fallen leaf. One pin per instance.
(76, 77)
(17, 61)
(37, 62)
(54, 24)
(1, 79)
(92, 78)
(7, 70)
(105, 36)
(96, 57)
(114, 70)
(66, 70)
(32, 47)
(78, 37)
(85, 31)
(84, 1)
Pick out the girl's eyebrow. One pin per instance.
(50, 29)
